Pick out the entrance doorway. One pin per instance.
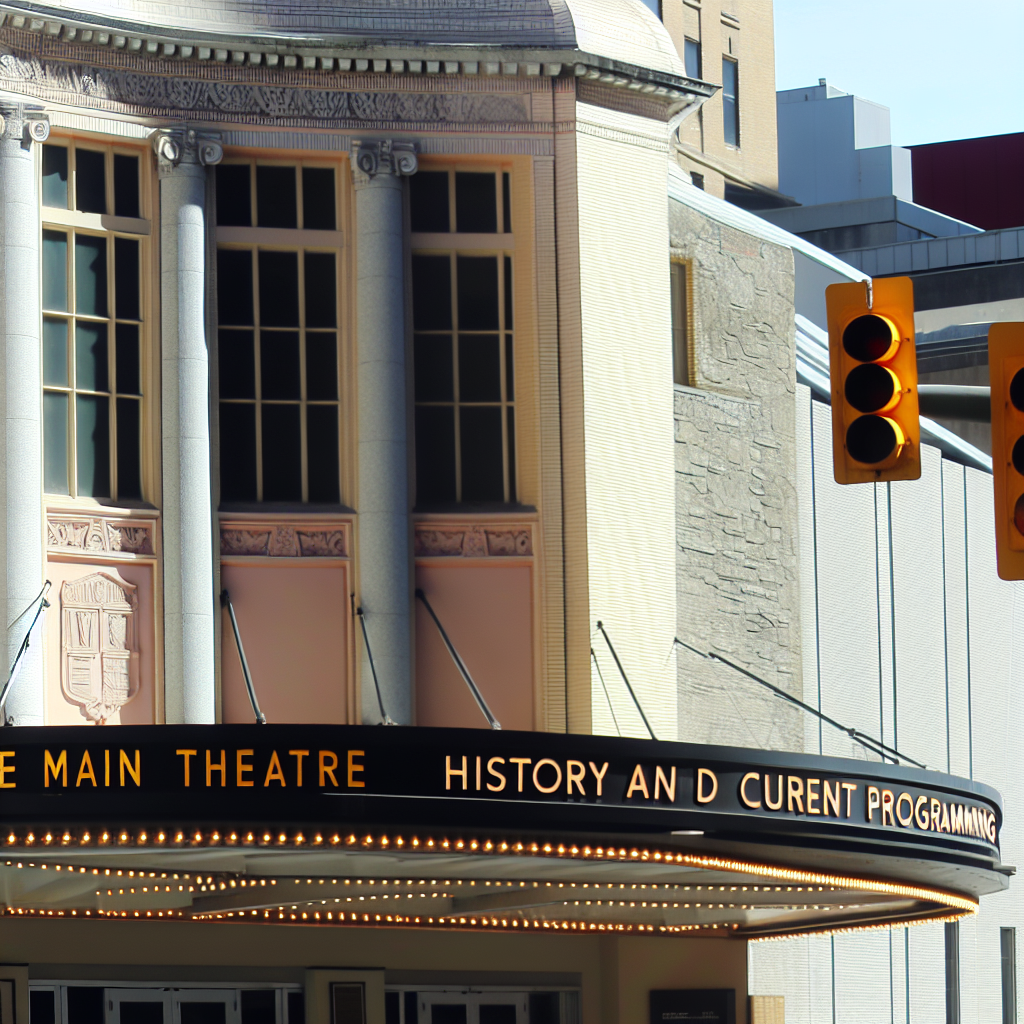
(472, 1008)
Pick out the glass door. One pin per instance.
(205, 1006)
(473, 1008)
(136, 1006)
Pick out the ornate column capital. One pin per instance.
(23, 122)
(371, 158)
(175, 146)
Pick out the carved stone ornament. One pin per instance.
(473, 541)
(186, 145)
(23, 122)
(274, 541)
(99, 650)
(98, 534)
(369, 159)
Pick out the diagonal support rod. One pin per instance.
(225, 602)
(385, 718)
(43, 604)
(625, 679)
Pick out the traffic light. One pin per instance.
(876, 431)
(1006, 376)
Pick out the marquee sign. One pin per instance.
(352, 776)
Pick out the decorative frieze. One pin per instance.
(283, 540)
(505, 541)
(99, 535)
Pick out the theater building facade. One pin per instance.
(410, 506)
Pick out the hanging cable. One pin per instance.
(385, 718)
(886, 753)
(40, 604)
(225, 602)
(460, 664)
(625, 679)
(618, 731)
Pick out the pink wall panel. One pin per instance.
(488, 613)
(295, 626)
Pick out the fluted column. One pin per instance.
(21, 473)
(385, 569)
(189, 676)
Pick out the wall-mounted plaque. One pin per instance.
(707, 1005)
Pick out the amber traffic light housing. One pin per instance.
(1006, 376)
(876, 429)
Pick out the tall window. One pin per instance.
(691, 57)
(1008, 964)
(731, 100)
(94, 249)
(278, 341)
(463, 338)
(680, 281)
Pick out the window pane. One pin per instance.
(510, 380)
(85, 1004)
(276, 199)
(237, 364)
(237, 452)
(129, 479)
(90, 356)
(730, 101)
(322, 445)
(282, 453)
(42, 1006)
(476, 207)
(126, 339)
(321, 290)
(279, 289)
(508, 293)
(126, 185)
(479, 368)
(431, 292)
(126, 278)
(433, 368)
(478, 292)
(506, 202)
(428, 201)
(318, 212)
(680, 353)
(482, 463)
(691, 58)
(279, 365)
(511, 454)
(435, 454)
(55, 351)
(90, 181)
(55, 270)
(55, 442)
(259, 1006)
(55, 177)
(234, 286)
(321, 367)
(90, 275)
(234, 195)
(92, 445)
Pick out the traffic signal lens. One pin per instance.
(870, 338)
(872, 439)
(1017, 456)
(1018, 514)
(872, 388)
(1017, 391)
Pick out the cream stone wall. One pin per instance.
(627, 396)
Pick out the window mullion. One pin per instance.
(111, 343)
(456, 396)
(257, 369)
(303, 397)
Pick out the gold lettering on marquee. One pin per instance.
(703, 796)
(794, 793)
(85, 770)
(6, 769)
(813, 796)
(521, 762)
(221, 766)
(639, 783)
(134, 768)
(752, 804)
(502, 781)
(449, 771)
(874, 801)
(850, 788)
(241, 767)
(887, 807)
(660, 780)
(355, 766)
(478, 760)
(830, 799)
(60, 768)
(328, 764)
(958, 819)
(905, 820)
(575, 773)
(274, 771)
(921, 819)
(599, 775)
(106, 768)
(536, 775)
(298, 755)
(187, 754)
(936, 811)
(945, 818)
(773, 805)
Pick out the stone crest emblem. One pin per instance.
(99, 644)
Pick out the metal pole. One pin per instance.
(385, 718)
(225, 600)
(625, 679)
(43, 604)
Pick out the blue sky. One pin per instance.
(945, 69)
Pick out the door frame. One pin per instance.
(472, 999)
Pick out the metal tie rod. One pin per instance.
(625, 679)
(385, 718)
(225, 602)
(459, 663)
(43, 604)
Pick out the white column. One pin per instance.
(188, 559)
(21, 473)
(385, 568)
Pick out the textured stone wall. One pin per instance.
(736, 496)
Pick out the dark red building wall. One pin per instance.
(980, 181)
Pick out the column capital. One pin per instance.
(23, 122)
(374, 157)
(176, 146)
